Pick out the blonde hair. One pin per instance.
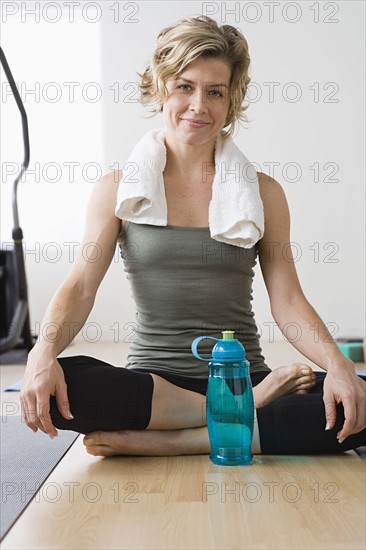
(185, 41)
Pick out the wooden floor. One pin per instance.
(186, 502)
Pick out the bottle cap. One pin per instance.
(228, 335)
(228, 348)
(225, 350)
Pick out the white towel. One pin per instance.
(235, 212)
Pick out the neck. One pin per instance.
(185, 160)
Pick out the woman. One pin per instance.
(156, 405)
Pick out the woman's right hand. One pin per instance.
(43, 377)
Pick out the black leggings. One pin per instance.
(108, 398)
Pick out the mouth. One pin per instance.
(195, 123)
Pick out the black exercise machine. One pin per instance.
(14, 308)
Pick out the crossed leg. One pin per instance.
(178, 417)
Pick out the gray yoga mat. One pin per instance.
(27, 459)
(16, 356)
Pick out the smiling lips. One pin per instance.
(195, 123)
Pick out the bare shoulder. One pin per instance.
(115, 175)
(111, 181)
(273, 197)
(104, 195)
(269, 188)
(276, 210)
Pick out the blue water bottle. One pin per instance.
(229, 401)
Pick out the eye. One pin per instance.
(216, 92)
(183, 86)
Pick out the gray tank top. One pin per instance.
(186, 284)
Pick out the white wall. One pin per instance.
(321, 61)
(57, 67)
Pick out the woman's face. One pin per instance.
(199, 93)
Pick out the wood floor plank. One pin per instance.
(188, 502)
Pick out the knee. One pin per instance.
(80, 423)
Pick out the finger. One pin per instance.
(25, 418)
(23, 407)
(63, 401)
(38, 426)
(330, 411)
(29, 411)
(43, 408)
(34, 424)
(361, 409)
(350, 415)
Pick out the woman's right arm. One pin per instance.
(70, 308)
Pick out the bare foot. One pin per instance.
(295, 378)
(133, 442)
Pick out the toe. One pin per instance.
(94, 438)
(305, 385)
(98, 450)
(303, 369)
(92, 450)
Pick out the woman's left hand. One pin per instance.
(342, 385)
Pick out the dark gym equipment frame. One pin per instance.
(19, 333)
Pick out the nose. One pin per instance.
(198, 101)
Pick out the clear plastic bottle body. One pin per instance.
(230, 412)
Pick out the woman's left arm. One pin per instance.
(299, 321)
